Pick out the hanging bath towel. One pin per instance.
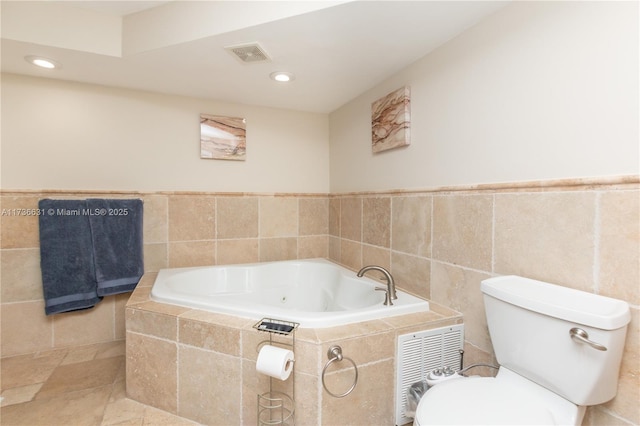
(116, 231)
(66, 257)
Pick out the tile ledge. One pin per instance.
(604, 182)
(556, 184)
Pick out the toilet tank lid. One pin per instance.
(560, 302)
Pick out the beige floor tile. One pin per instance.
(155, 417)
(80, 376)
(123, 410)
(58, 388)
(111, 349)
(29, 369)
(83, 408)
(130, 422)
(81, 354)
(20, 394)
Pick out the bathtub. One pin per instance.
(315, 293)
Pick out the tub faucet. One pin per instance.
(391, 285)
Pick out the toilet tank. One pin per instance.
(530, 321)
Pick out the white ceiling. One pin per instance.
(336, 49)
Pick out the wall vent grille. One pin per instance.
(419, 353)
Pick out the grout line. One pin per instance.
(493, 233)
(596, 243)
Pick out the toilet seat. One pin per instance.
(508, 399)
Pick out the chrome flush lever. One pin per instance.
(579, 335)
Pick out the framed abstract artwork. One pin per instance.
(223, 138)
(391, 120)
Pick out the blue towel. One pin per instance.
(116, 232)
(66, 258)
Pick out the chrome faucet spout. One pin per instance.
(391, 285)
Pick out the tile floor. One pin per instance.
(74, 387)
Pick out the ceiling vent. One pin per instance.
(249, 53)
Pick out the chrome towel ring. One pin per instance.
(335, 354)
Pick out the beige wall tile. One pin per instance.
(152, 374)
(459, 289)
(411, 225)
(313, 246)
(376, 256)
(156, 216)
(19, 230)
(214, 397)
(619, 251)
(252, 385)
(19, 339)
(411, 273)
(370, 403)
(192, 218)
(272, 249)
(376, 221)
(334, 216)
(237, 251)
(237, 217)
(597, 416)
(462, 230)
(308, 390)
(278, 217)
(334, 248)
(152, 324)
(367, 348)
(206, 335)
(342, 333)
(626, 402)
(350, 254)
(474, 355)
(85, 327)
(351, 218)
(120, 306)
(192, 253)
(546, 236)
(155, 257)
(314, 216)
(21, 275)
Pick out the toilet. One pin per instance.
(559, 351)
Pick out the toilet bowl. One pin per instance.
(507, 399)
(559, 351)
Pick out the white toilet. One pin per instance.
(559, 351)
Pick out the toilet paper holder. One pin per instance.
(276, 407)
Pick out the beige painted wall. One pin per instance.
(62, 135)
(539, 90)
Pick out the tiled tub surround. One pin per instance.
(437, 243)
(201, 365)
(180, 230)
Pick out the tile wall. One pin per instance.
(438, 244)
(441, 244)
(180, 230)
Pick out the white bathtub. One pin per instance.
(315, 293)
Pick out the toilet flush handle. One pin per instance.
(582, 336)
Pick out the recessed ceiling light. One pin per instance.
(41, 62)
(282, 76)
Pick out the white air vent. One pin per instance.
(418, 354)
(248, 53)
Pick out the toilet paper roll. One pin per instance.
(275, 362)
